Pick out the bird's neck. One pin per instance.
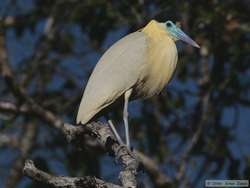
(155, 30)
(161, 59)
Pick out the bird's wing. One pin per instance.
(116, 72)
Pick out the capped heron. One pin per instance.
(137, 66)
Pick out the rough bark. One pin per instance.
(63, 181)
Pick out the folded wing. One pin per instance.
(117, 71)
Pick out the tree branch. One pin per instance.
(26, 143)
(77, 135)
(7, 140)
(63, 181)
(106, 139)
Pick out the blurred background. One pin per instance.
(196, 129)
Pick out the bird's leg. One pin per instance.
(125, 116)
(115, 132)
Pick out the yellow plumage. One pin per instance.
(161, 60)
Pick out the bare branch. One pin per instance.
(63, 181)
(26, 143)
(106, 139)
(77, 134)
(9, 107)
(7, 140)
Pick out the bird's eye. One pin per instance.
(169, 24)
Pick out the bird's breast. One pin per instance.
(159, 67)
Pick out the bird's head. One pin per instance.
(177, 34)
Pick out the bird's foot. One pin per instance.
(123, 148)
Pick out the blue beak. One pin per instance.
(185, 38)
